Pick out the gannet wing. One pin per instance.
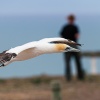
(26, 54)
(5, 57)
(27, 51)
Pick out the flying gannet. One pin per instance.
(36, 48)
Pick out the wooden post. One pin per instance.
(93, 66)
(56, 90)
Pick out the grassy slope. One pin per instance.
(39, 88)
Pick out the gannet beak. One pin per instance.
(71, 49)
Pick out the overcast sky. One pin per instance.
(33, 7)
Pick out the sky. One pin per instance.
(20, 26)
(41, 7)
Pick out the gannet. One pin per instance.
(36, 48)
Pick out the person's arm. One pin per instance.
(77, 35)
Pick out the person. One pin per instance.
(71, 31)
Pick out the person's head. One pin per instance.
(71, 19)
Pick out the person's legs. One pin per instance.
(67, 66)
(80, 72)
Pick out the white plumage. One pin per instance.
(36, 48)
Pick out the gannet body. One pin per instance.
(36, 48)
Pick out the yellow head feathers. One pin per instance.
(60, 47)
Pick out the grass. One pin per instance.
(39, 88)
(2, 81)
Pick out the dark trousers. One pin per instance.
(68, 56)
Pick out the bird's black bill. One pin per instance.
(70, 43)
(79, 44)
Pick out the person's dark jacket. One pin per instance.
(69, 31)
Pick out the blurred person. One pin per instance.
(71, 31)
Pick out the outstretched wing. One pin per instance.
(26, 54)
(5, 57)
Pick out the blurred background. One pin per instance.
(22, 21)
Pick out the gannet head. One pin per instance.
(60, 45)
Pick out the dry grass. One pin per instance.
(39, 88)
